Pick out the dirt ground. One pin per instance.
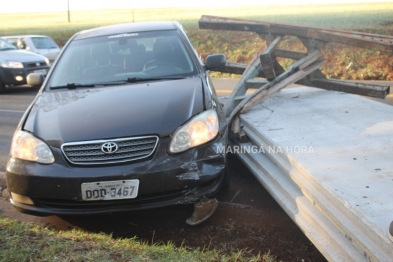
(247, 219)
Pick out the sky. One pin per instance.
(62, 5)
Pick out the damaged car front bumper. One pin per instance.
(164, 179)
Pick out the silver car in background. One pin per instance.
(39, 44)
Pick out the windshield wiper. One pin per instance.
(129, 80)
(141, 79)
(72, 86)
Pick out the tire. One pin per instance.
(2, 87)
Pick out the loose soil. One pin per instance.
(247, 219)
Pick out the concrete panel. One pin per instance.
(336, 149)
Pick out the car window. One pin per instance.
(43, 42)
(22, 44)
(4, 45)
(119, 57)
(12, 41)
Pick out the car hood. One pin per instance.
(114, 112)
(20, 56)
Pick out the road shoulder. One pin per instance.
(3, 186)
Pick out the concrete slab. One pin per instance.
(335, 148)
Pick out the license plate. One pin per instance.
(110, 190)
(41, 71)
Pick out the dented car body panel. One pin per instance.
(100, 119)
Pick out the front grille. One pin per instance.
(35, 64)
(93, 152)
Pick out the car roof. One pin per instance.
(14, 36)
(128, 28)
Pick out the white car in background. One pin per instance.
(38, 44)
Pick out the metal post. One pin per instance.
(68, 4)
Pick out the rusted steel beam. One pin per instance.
(269, 38)
(267, 66)
(268, 90)
(359, 39)
(278, 68)
(240, 98)
(254, 67)
(267, 59)
(272, 46)
(312, 44)
(275, 86)
(295, 55)
(304, 62)
(252, 70)
(235, 68)
(255, 84)
(376, 42)
(358, 88)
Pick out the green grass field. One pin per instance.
(237, 46)
(348, 16)
(26, 242)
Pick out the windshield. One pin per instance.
(145, 55)
(4, 45)
(44, 43)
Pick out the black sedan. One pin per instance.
(127, 119)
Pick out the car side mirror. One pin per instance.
(215, 61)
(35, 79)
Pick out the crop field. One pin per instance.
(342, 62)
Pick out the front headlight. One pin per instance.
(47, 61)
(11, 64)
(199, 130)
(27, 147)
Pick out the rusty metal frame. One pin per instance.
(265, 65)
(365, 40)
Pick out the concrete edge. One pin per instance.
(364, 238)
(324, 235)
(364, 234)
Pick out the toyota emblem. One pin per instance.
(109, 147)
(37, 64)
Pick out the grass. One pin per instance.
(26, 242)
(55, 24)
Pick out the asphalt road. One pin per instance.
(12, 106)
